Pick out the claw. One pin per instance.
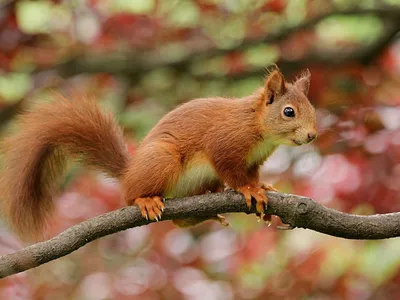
(258, 193)
(222, 220)
(268, 187)
(267, 220)
(259, 217)
(287, 227)
(150, 207)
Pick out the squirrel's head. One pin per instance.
(287, 113)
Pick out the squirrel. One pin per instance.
(197, 147)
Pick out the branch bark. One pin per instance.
(295, 210)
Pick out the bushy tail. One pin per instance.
(35, 157)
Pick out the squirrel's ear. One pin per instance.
(274, 85)
(303, 82)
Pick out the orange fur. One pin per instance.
(213, 140)
(35, 157)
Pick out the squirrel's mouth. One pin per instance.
(297, 142)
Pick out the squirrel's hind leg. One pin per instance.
(153, 167)
(189, 222)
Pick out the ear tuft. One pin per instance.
(303, 82)
(274, 85)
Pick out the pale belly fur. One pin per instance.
(199, 174)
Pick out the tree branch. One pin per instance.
(294, 210)
(135, 65)
(363, 55)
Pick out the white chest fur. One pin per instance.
(261, 151)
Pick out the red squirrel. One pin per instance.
(197, 147)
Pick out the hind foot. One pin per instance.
(222, 220)
(151, 208)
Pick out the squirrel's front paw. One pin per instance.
(256, 191)
(150, 207)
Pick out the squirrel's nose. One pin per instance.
(311, 136)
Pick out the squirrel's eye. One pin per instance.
(288, 112)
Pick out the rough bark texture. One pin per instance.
(295, 210)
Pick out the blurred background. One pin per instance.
(141, 58)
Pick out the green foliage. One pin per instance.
(351, 29)
(13, 86)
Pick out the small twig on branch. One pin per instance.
(295, 210)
